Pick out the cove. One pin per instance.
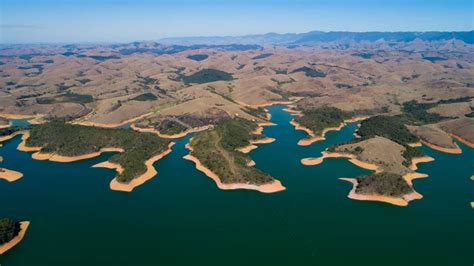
(180, 217)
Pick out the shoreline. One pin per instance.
(32, 119)
(6, 126)
(417, 160)
(37, 155)
(272, 187)
(69, 159)
(266, 104)
(456, 150)
(312, 136)
(292, 111)
(112, 125)
(10, 175)
(260, 127)
(464, 141)
(17, 239)
(258, 131)
(166, 136)
(401, 201)
(14, 134)
(252, 146)
(137, 181)
(352, 158)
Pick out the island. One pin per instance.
(64, 142)
(385, 187)
(9, 175)
(392, 162)
(218, 153)
(11, 233)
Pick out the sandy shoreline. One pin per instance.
(417, 160)
(113, 125)
(456, 150)
(10, 175)
(9, 137)
(32, 119)
(69, 159)
(258, 131)
(252, 145)
(402, 201)
(292, 111)
(274, 186)
(264, 104)
(6, 126)
(415, 144)
(17, 239)
(312, 136)
(466, 142)
(352, 158)
(37, 155)
(174, 136)
(137, 181)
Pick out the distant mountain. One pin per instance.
(318, 37)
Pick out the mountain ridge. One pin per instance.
(315, 37)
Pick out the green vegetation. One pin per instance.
(310, 72)
(323, 117)
(171, 127)
(216, 149)
(145, 97)
(84, 81)
(198, 57)
(38, 67)
(343, 86)
(412, 77)
(434, 59)
(207, 75)
(27, 56)
(262, 56)
(387, 184)
(281, 71)
(363, 55)
(8, 230)
(102, 58)
(257, 112)
(411, 153)
(390, 127)
(64, 98)
(74, 140)
(63, 87)
(9, 130)
(416, 113)
(456, 100)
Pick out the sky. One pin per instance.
(83, 21)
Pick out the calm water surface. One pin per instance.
(181, 218)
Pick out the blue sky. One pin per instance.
(33, 21)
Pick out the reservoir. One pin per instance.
(180, 217)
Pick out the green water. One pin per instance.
(181, 218)
(20, 122)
